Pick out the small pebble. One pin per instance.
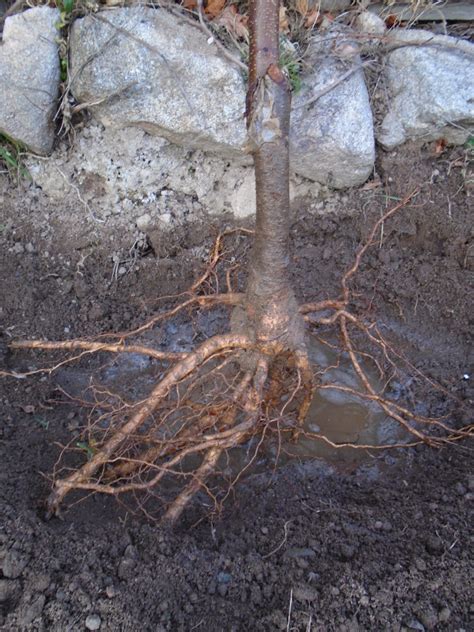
(224, 578)
(420, 564)
(13, 564)
(143, 221)
(347, 552)
(434, 545)
(131, 552)
(18, 249)
(125, 569)
(444, 615)
(93, 622)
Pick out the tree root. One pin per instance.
(207, 402)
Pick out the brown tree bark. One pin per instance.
(271, 309)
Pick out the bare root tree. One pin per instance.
(255, 381)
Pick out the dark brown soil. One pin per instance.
(385, 545)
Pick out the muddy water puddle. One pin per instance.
(340, 416)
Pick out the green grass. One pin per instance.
(291, 64)
(10, 157)
(67, 11)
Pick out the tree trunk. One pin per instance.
(271, 309)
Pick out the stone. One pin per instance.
(243, 201)
(18, 249)
(431, 92)
(420, 564)
(223, 577)
(135, 78)
(332, 139)
(367, 22)
(143, 221)
(434, 545)
(444, 615)
(29, 78)
(126, 567)
(13, 564)
(93, 622)
(131, 552)
(155, 71)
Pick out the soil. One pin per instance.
(380, 545)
